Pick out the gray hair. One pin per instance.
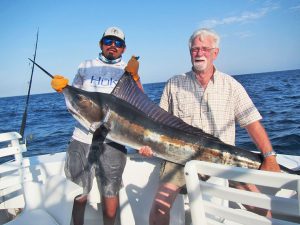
(204, 32)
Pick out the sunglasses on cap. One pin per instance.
(108, 42)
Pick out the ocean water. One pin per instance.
(275, 94)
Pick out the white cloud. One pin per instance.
(243, 18)
(295, 8)
(244, 34)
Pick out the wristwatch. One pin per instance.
(267, 154)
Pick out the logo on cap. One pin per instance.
(114, 31)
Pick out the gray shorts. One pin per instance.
(106, 162)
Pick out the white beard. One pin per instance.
(199, 66)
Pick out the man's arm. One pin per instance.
(260, 137)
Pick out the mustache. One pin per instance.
(112, 48)
(199, 58)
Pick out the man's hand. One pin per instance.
(146, 151)
(133, 67)
(270, 164)
(58, 83)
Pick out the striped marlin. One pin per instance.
(133, 120)
(130, 118)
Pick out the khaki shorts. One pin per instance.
(172, 173)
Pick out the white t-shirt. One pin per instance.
(95, 76)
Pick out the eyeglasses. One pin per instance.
(202, 49)
(109, 41)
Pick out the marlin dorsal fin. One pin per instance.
(127, 90)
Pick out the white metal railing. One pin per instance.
(12, 170)
(14, 147)
(284, 202)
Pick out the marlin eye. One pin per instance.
(83, 101)
(81, 98)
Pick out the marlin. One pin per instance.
(130, 118)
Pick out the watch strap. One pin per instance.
(270, 153)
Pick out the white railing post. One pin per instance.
(14, 148)
(194, 193)
(18, 155)
(298, 188)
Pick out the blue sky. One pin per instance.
(256, 36)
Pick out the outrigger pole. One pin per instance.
(23, 125)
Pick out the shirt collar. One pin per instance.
(212, 80)
(109, 61)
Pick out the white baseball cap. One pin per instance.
(115, 32)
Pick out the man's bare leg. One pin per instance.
(78, 209)
(110, 206)
(162, 204)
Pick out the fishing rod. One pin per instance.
(23, 125)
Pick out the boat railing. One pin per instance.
(14, 147)
(14, 169)
(279, 193)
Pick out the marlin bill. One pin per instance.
(133, 120)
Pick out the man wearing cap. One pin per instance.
(107, 160)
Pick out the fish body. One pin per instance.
(133, 120)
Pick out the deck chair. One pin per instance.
(48, 204)
(280, 194)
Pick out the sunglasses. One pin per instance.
(109, 41)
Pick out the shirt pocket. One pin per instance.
(221, 112)
(184, 105)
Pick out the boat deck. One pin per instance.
(140, 180)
